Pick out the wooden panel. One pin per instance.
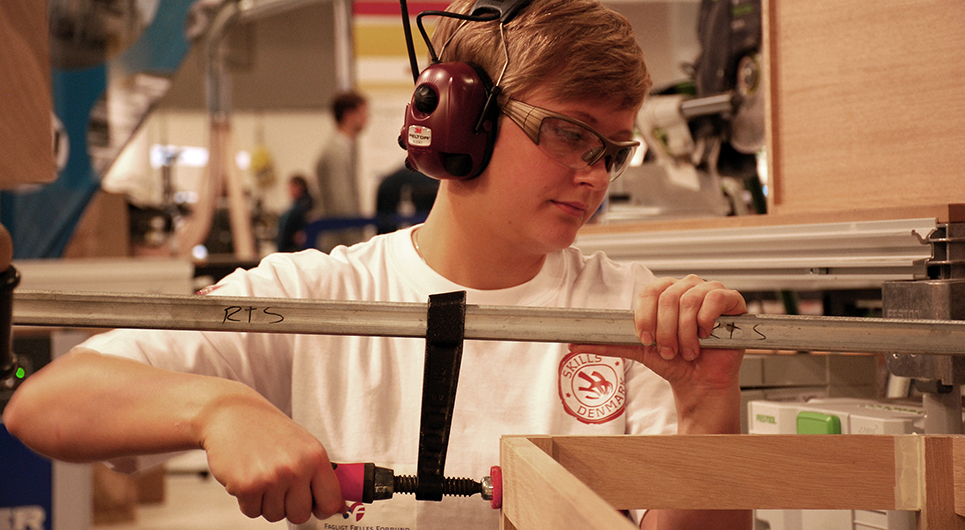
(25, 101)
(940, 506)
(958, 462)
(865, 106)
(539, 494)
(104, 229)
(738, 472)
(570, 487)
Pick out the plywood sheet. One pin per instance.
(864, 103)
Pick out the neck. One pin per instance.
(473, 259)
(347, 130)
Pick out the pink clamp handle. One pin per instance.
(352, 479)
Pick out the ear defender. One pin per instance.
(450, 124)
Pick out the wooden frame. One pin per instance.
(580, 482)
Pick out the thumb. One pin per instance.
(327, 493)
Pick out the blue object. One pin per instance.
(26, 486)
(41, 221)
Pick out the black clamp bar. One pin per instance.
(445, 331)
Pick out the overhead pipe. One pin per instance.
(196, 228)
(218, 86)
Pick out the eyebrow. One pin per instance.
(592, 122)
(587, 120)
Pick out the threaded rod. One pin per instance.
(463, 487)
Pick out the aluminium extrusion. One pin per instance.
(861, 254)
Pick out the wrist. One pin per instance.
(222, 403)
(711, 412)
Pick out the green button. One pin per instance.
(818, 423)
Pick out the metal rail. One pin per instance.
(812, 256)
(528, 324)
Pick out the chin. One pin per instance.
(560, 239)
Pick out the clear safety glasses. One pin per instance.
(569, 141)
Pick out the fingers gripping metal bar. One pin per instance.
(445, 330)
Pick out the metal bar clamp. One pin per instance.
(445, 331)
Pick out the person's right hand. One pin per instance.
(87, 407)
(273, 466)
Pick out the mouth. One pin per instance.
(574, 209)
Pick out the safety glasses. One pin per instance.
(569, 141)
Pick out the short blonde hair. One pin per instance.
(575, 49)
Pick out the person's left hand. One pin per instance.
(671, 316)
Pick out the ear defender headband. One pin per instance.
(450, 123)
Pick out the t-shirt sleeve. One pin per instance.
(263, 361)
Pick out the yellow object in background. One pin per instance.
(262, 166)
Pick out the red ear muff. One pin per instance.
(445, 134)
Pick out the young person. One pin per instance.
(273, 410)
(336, 172)
(291, 223)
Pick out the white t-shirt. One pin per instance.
(361, 396)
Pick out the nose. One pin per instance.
(596, 176)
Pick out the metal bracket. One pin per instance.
(937, 377)
(926, 299)
(948, 252)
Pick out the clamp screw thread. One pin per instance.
(463, 487)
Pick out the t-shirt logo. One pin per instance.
(592, 387)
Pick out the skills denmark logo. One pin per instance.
(592, 387)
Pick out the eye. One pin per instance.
(559, 131)
(592, 155)
(621, 156)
